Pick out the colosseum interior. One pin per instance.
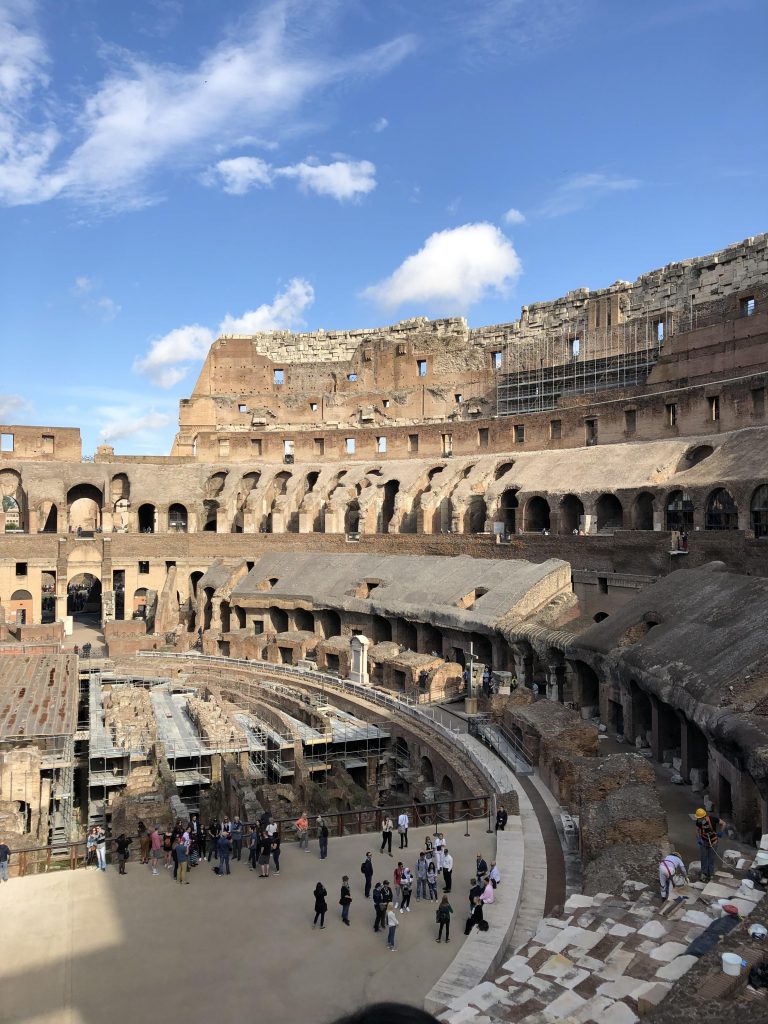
(445, 568)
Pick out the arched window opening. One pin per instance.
(571, 512)
(147, 518)
(721, 511)
(679, 513)
(177, 518)
(642, 511)
(610, 514)
(508, 508)
(537, 515)
(758, 511)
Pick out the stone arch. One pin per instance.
(330, 622)
(571, 512)
(207, 607)
(140, 603)
(695, 455)
(279, 617)
(679, 511)
(642, 511)
(501, 469)
(147, 518)
(352, 517)
(609, 512)
(536, 516)
(119, 488)
(214, 485)
(304, 619)
(84, 595)
(381, 629)
(211, 522)
(20, 607)
(721, 511)
(48, 517)
(587, 688)
(508, 506)
(446, 785)
(758, 511)
(427, 771)
(84, 503)
(476, 514)
(178, 519)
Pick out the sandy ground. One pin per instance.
(87, 947)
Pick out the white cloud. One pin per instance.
(239, 174)
(168, 359)
(103, 306)
(380, 124)
(581, 190)
(504, 26)
(343, 179)
(11, 406)
(453, 269)
(513, 216)
(82, 286)
(130, 421)
(107, 307)
(144, 117)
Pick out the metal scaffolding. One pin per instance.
(538, 373)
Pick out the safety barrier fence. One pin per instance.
(63, 856)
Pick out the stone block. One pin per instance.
(653, 930)
(667, 951)
(651, 995)
(619, 1013)
(676, 968)
(564, 1006)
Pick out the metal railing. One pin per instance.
(368, 820)
(503, 743)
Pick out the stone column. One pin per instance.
(359, 670)
(61, 580)
(523, 666)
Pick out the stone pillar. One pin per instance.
(306, 522)
(523, 666)
(278, 522)
(61, 580)
(655, 729)
(334, 521)
(359, 668)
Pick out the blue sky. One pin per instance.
(172, 168)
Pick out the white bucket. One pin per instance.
(731, 964)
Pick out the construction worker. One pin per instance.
(671, 874)
(707, 837)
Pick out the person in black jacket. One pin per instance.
(320, 905)
(122, 843)
(379, 907)
(367, 869)
(345, 899)
(476, 917)
(501, 819)
(475, 891)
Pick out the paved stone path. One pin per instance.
(85, 947)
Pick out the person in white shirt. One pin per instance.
(671, 874)
(402, 828)
(439, 845)
(495, 875)
(447, 870)
(392, 924)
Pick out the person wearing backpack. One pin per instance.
(367, 869)
(443, 919)
(379, 907)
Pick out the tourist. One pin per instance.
(182, 861)
(397, 887)
(428, 847)
(5, 859)
(386, 897)
(321, 906)
(443, 918)
(265, 852)
(475, 890)
(322, 837)
(236, 833)
(122, 843)
(198, 835)
(254, 843)
(274, 848)
(386, 834)
(367, 869)
(432, 879)
(495, 875)
(302, 830)
(672, 873)
(90, 848)
(101, 848)
(145, 845)
(447, 870)
(707, 838)
(488, 895)
(501, 819)
(402, 828)
(223, 851)
(226, 825)
(212, 835)
(421, 877)
(439, 850)
(391, 927)
(481, 868)
(167, 849)
(378, 906)
(476, 917)
(156, 845)
(345, 899)
(406, 885)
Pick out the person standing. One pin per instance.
(391, 927)
(432, 880)
(254, 842)
(367, 869)
(421, 877)
(5, 860)
(443, 919)
(707, 838)
(345, 899)
(90, 848)
(379, 908)
(671, 874)
(406, 887)
(386, 834)
(212, 837)
(265, 852)
(182, 861)
(397, 888)
(501, 819)
(274, 846)
(386, 897)
(145, 845)
(156, 845)
(322, 837)
(439, 850)
(223, 851)
(402, 828)
(447, 869)
(101, 848)
(122, 844)
(321, 906)
(302, 830)
(236, 834)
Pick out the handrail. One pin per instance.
(340, 823)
